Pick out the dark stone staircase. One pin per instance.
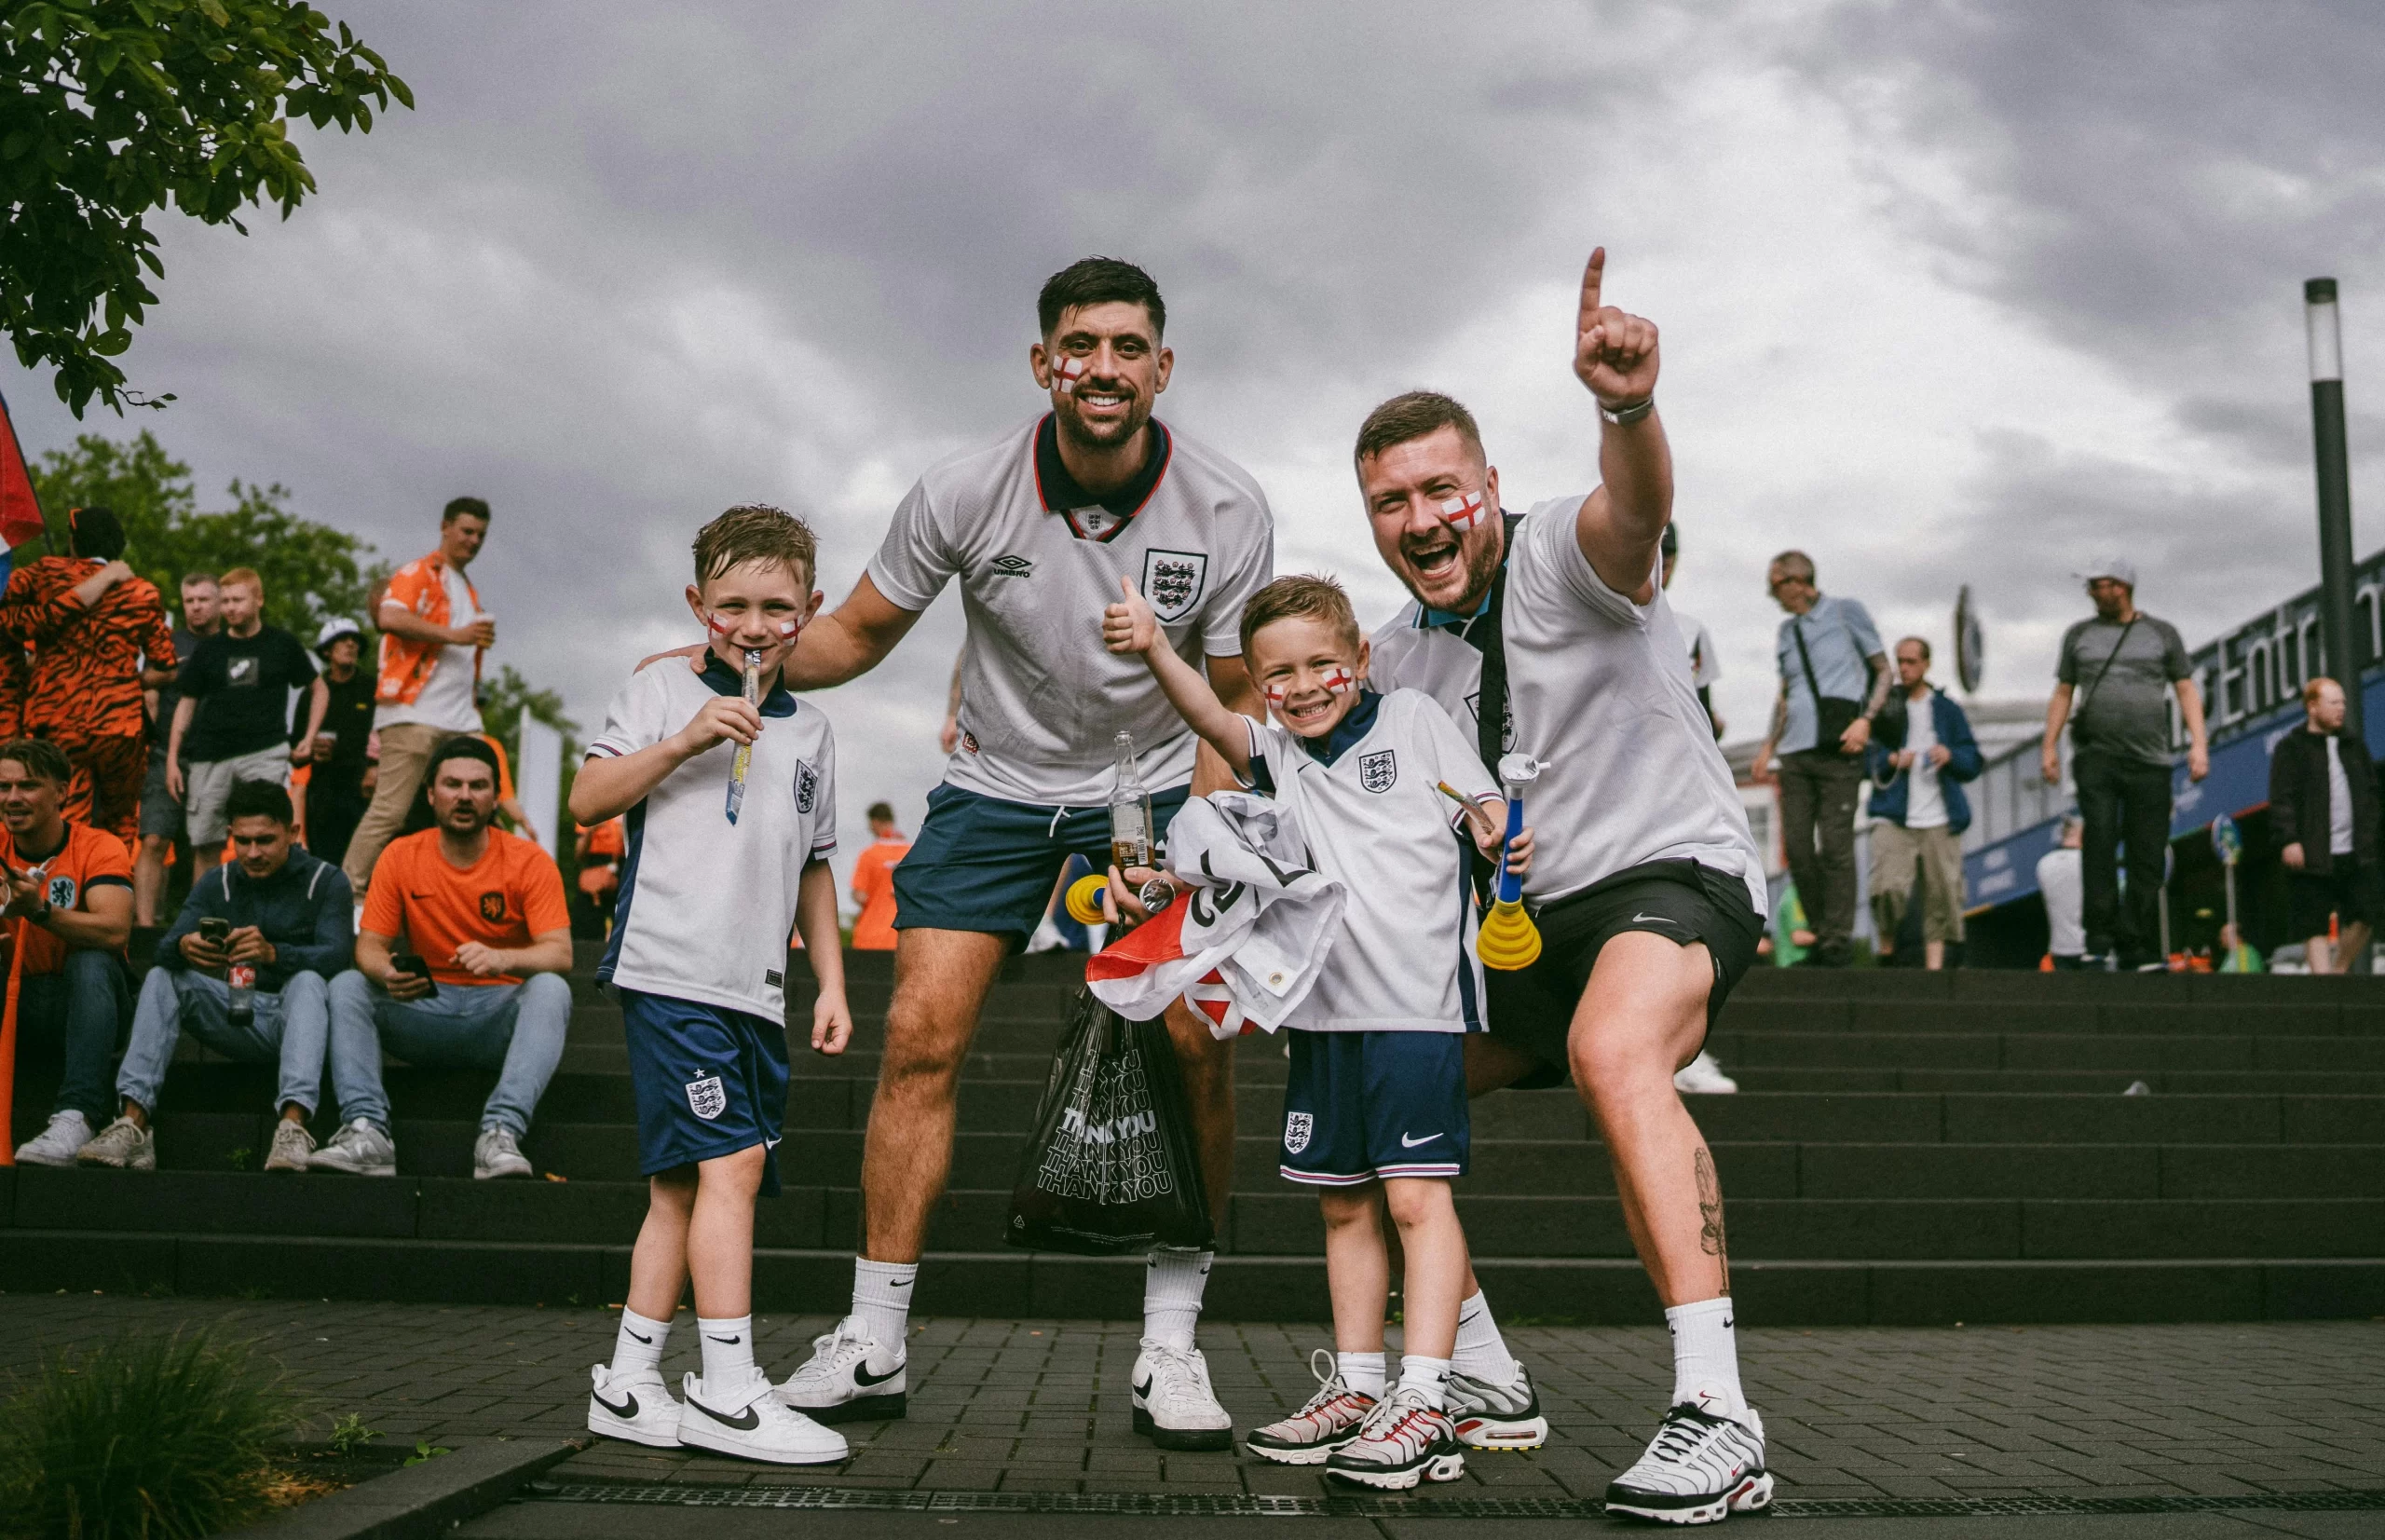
(1905, 1148)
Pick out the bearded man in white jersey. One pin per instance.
(1548, 634)
(1038, 527)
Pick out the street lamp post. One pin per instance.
(2343, 645)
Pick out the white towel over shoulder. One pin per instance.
(1246, 946)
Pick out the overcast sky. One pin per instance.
(1949, 292)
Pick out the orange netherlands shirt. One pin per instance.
(91, 858)
(874, 879)
(511, 893)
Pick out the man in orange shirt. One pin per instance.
(69, 904)
(601, 849)
(479, 985)
(91, 623)
(874, 881)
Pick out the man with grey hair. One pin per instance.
(1834, 681)
(2114, 672)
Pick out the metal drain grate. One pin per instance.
(1142, 1505)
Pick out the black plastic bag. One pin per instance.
(1114, 1165)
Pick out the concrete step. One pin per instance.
(1553, 1290)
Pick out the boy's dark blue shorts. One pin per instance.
(1363, 1105)
(708, 1080)
(983, 863)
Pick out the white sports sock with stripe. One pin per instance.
(1706, 1356)
(637, 1346)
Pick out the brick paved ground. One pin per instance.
(2219, 1409)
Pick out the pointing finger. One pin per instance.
(1594, 278)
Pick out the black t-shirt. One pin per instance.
(243, 686)
(186, 645)
(348, 719)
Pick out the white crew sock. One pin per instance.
(882, 1299)
(1172, 1286)
(1362, 1372)
(1481, 1352)
(1706, 1356)
(729, 1353)
(1428, 1377)
(637, 1346)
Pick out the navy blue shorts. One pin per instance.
(1363, 1105)
(709, 1082)
(982, 863)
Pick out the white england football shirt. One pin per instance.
(1598, 687)
(1039, 560)
(706, 906)
(1403, 958)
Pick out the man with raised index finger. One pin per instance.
(1548, 632)
(1038, 527)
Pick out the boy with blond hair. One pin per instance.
(730, 789)
(1375, 1104)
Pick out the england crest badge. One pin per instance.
(1378, 772)
(707, 1098)
(1174, 581)
(1298, 1126)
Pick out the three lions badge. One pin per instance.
(1174, 581)
(707, 1098)
(1378, 772)
(1298, 1126)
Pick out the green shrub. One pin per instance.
(142, 1437)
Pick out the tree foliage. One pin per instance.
(506, 698)
(111, 110)
(311, 571)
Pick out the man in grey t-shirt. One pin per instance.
(2113, 672)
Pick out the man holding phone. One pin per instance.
(479, 983)
(69, 904)
(244, 968)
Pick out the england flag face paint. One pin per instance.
(721, 625)
(1067, 372)
(1461, 514)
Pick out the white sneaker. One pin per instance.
(636, 1406)
(58, 1143)
(850, 1377)
(359, 1150)
(1497, 1416)
(1699, 1469)
(1702, 1076)
(1405, 1441)
(494, 1154)
(756, 1425)
(292, 1146)
(1174, 1406)
(124, 1144)
(1332, 1417)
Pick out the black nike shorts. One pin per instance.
(1533, 1008)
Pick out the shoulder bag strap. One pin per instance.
(2098, 681)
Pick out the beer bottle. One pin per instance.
(1130, 811)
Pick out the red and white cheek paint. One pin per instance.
(1275, 694)
(1463, 514)
(1340, 681)
(720, 625)
(1067, 372)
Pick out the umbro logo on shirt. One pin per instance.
(1012, 566)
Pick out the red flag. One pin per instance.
(20, 517)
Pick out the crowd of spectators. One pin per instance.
(317, 934)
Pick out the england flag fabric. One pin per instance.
(1255, 929)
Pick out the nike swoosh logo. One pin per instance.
(1143, 1389)
(648, 1341)
(904, 1284)
(732, 1342)
(746, 1421)
(1653, 919)
(627, 1409)
(862, 1376)
(1406, 1144)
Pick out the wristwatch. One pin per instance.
(1625, 416)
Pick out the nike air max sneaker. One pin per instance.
(635, 1407)
(850, 1377)
(1497, 1416)
(1174, 1406)
(1404, 1441)
(1331, 1419)
(750, 1422)
(1699, 1469)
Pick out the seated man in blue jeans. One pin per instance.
(480, 986)
(284, 920)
